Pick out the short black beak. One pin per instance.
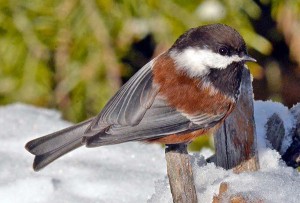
(248, 58)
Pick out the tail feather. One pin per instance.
(40, 161)
(50, 147)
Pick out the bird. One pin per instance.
(183, 93)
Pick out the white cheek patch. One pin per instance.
(197, 62)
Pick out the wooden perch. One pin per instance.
(180, 174)
(235, 141)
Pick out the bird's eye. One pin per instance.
(223, 51)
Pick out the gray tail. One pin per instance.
(50, 147)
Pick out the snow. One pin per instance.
(130, 172)
(119, 173)
(264, 110)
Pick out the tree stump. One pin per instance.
(235, 140)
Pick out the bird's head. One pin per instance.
(208, 47)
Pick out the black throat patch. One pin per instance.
(227, 80)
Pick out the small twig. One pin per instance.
(180, 174)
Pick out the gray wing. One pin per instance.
(159, 120)
(128, 106)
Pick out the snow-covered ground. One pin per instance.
(112, 174)
(131, 172)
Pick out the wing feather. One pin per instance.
(130, 103)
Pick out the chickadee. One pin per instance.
(178, 96)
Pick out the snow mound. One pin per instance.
(119, 173)
(263, 110)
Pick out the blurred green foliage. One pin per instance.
(66, 54)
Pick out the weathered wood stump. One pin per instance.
(235, 141)
(180, 174)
